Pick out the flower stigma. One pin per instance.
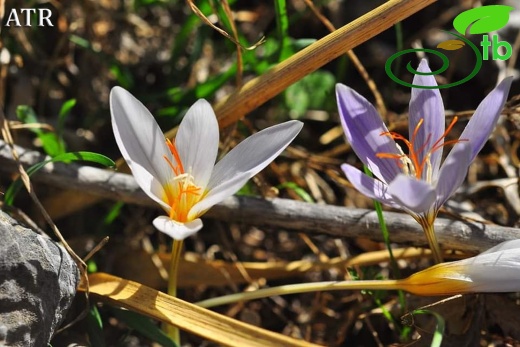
(182, 192)
(410, 163)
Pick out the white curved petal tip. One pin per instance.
(176, 230)
(244, 161)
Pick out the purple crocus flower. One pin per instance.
(415, 181)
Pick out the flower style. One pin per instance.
(181, 175)
(415, 182)
(495, 270)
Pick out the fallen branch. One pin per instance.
(276, 213)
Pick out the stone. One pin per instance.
(38, 281)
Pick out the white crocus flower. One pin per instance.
(181, 175)
(495, 270)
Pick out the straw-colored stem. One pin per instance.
(173, 331)
(263, 88)
(302, 288)
(429, 231)
(220, 329)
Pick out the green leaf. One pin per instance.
(482, 19)
(95, 328)
(439, 328)
(299, 44)
(180, 96)
(52, 144)
(83, 156)
(64, 112)
(80, 41)
(143, 325)
(15, 187)
(282, 23)
(123, 76)
(66, 107)
(311, 92)
(113, 213)
(298, 190)
(246, 190)
(27, 115)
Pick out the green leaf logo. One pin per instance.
(483, 19)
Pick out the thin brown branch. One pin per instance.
(205, 19)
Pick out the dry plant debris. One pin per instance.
(299, 220)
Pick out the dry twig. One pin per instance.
(276, 213)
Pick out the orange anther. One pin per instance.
(175, 153)
(413, 155)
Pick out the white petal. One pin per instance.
(176, 230)
(506, 245)
(150, 185)
(140, 141)
(197, 142)
(244, 161)
(496, 270)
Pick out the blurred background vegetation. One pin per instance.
(168, 57)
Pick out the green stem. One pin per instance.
(173, 331)
(386, 238)
(302, 288)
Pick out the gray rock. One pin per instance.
(38, 281)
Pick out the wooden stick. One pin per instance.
(274, 214)
(263, 88)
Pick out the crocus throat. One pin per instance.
(181, 193)
(410, 163)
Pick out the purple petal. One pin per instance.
(426, 104)
(453, 171)
(368, 186)
(363, 128)
(485, 117)
(412, 194)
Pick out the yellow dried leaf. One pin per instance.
(188, 317)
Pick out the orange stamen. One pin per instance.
(175, 153)
(448, 129)
(413, 155)
(181, 194)
(174, 168)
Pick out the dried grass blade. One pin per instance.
(188, 317)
